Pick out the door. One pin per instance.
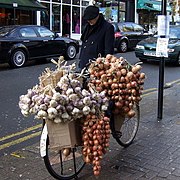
(52, 45)
(31, 40)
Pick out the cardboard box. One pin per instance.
(64, 135)
(118, 121)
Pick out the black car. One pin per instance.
(19, 44)
(146, 49)
(127, 35)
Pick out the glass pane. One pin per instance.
(85, 2)
(66, 20)
(56, 0)
(66, 1)
(76, 2)
(27, 32)
(122, 6)
(56, 14)
(127, 28)
(45, 32)
(137, 28)
(76, 20)
(45, 18)
(83, 21)
(122, 16)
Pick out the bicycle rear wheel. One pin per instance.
(124, 129)
(61, 167)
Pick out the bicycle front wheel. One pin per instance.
(125, 128)
(64, 167)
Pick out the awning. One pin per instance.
(151, 5)
(23, 4)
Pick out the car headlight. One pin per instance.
(170, 50)
(139, 47)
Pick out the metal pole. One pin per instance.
(161, 73)
(118, 10)
(14, 15)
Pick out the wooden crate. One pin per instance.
(64, 135)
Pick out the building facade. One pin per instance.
(19, 12)
(62, 16)
(65, 16)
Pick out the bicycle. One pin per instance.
(123, 129)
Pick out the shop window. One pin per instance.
(76, 2)
(76, 20)
(66, 11)
(66, 1)
(45, 17)
(85, 2)
(56, 14)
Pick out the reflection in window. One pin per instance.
(76, 2)
(27, 32)
(76, 20)
(56, 14)
(127, 28)
(66, 1)
(85, 2)
(45, 18)
(138, 28)
(45, 32)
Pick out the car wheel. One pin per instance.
(123, 46)
(17, 59)
(71, 52)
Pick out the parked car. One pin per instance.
(21, 43)
(127, 35)
(146, 49)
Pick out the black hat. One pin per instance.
(91, 12)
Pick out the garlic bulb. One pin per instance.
(52, 112)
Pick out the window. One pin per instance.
(76, 2)
(45, 32)
(138, 28)
(56, 14)
(27, 32)
(127, 28)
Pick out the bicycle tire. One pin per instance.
(63, 168)
(128, 129)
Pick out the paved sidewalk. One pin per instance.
(155, 153)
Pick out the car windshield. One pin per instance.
(4, 31)
(174, 32)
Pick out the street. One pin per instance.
(17, 132)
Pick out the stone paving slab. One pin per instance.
(155, 153)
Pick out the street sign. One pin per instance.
(163, 25)
(162, 47)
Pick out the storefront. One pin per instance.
(147, 12)
(117, 10)
(19, 12)
(65, 16)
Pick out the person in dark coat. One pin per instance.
(97, 37)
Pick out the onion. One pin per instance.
(66, 152)
(131, 113)
(96, 173)
(87, 159)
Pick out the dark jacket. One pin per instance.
(97, 40)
